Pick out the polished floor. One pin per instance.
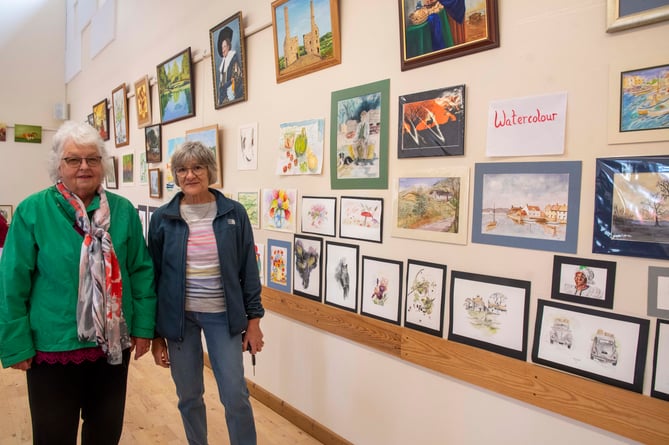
(151, 416)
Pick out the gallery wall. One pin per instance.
(545, 47)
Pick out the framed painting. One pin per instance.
(658, 292)
(626, 14)
(260, 259)
(247, 153)
(228, 61)
(432, 205)
(172, 145)
(432, 123)
(603, 346)
(155, 183)
(142, 211)
(91, 120)
(341, 275)
(584, 281)
(381, 294)
(279, 256)
(175, 87)
(660, 385)
(111, 173)
(128, 168)
(306, 36)
(143, 102)
(319, 215)
(631, 199)
(308, 266)
(300, 148)
(7, 211)
(143, 169)
(359, 136)
(644, 99)
(489, 313)
(251, 202)
(278, 207)
(209, 137)
(361, 218)
(432, 30)
(120, 112)
(531, 205)
(28, 133)
(153, 143)
(425, 297)
(101, 119)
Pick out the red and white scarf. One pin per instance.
(99, 307)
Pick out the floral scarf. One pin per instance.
(99, 310)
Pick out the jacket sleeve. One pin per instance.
(155, 242)
(250, 280)
(17, 264)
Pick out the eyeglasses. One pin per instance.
(93, 161)
(198, 170)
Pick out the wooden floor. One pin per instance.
(151, 415)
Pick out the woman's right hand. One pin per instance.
(159, 351)
(24, 365)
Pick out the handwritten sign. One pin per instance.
(527, 126)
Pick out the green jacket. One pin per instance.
(39, 275)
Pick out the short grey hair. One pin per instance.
(80, 133)
(194, 151)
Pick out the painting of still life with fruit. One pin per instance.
(301, 148)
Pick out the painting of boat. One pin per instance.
(644, 101)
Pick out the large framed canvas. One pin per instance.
(306, 36)
(660, 384)
(251, 202)
(432, 123)
(143, 102)
(120, 114)
(228, 61)
(319, 215)
(101, 119)
(308, 266)
(432, 204)
(300, 148)
(603, 346)
(175, 87)
(583, 281)
(425, 297)
(279, 264)
(626, 14)
(278, 208)
(359, 136)
(341, 275)
(153, 143)
(631, 199)
(381, 294)
(658, 292)
(489, 313)
(432, 30)
(209, 137)
(361, 218)
(531, 205)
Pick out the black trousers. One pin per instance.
(59, 394)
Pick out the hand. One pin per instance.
(253, 337)
(24, 365)
(141, 346)
(160, 354)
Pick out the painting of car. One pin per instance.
(561, 333)
(604, 348)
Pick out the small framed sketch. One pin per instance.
(175, 87)
(143, 102)
(101, 119)
(155, 183)
(361, 218)
(120, 113)
(251, 202)
(658, 292)
(660, 386)
(381, 294)
(228, 61)
(603, 346)
(341, 275)
(247, 153)
(319, 215)
(308, 261)
(278, 209)
(424, 306)
(630, 214)
(153, 143)
(260, 259)
(489, 313)
(584, 281)
(111, 176)
(433, 123)
(279, 268)
(7, 211)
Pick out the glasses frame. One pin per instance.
(97, 161)
(191, 169)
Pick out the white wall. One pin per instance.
(548, 46)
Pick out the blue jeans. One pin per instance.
(225, 355)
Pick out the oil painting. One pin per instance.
(175, 87)
(228, 52)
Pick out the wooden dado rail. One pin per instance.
(636, 416)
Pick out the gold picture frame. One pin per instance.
(120, 115)
(209, 137)
(155, 183)
(616, 22)
(143, 102)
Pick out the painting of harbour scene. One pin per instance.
(644, 99)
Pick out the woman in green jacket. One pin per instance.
(76, 295)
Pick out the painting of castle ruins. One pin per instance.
(306, 36)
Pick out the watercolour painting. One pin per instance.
(300, 148)
(251, 202)
(278, 207)
(644, 99)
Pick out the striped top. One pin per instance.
(204, 290)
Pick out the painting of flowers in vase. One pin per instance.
(279, 209)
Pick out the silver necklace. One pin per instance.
(194, 215)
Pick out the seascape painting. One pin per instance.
(644, 99)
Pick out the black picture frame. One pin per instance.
(341, 275)
(659, 387)
(603, 346)
(425, 297)
(307, 266)
(658, 290)
(361, 218)
(600, 277)
(381, 289)
(319, 215)
(153, 143)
